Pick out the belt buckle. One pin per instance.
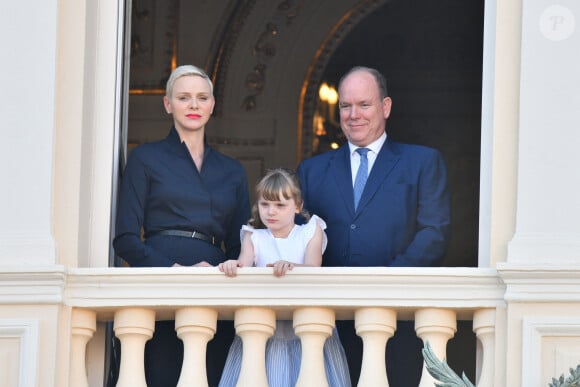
(193, 234)
(213, 240)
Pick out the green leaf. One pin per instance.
(441, 372)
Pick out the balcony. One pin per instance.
(436, 298)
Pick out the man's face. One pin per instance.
(362, 112)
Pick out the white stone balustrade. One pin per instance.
(313, 297)
(195, 326)
(435, 326)
(133, 327)
(313, 325)
(254, 326)
(83, 326)
(375, 326)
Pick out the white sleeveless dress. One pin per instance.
(283, 350)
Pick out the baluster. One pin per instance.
(313, 326)
(195, 326)
(133, 327)
(375, 326)
(484, 328)
(83, 327)
(436, 326)
(254, 326)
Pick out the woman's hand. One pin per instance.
(229, 267)
(199, 264)
(281, 267)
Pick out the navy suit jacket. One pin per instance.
(403, 217)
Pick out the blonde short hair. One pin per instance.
(183, 71)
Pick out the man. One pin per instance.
(401, 219)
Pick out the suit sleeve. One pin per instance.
(303, 185)
(433, 220)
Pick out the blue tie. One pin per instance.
(361, 175)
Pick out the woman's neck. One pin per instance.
(195, 144)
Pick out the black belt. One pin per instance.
(189, 234)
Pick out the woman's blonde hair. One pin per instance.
(276, 183)
(183, 71)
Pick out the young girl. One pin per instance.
(273, 239)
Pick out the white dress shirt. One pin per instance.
(374, 149)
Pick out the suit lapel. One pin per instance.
(340, 167)
(384, 164)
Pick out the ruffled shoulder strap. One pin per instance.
(310, 227)
(245, 229)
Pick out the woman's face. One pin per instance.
(191, 103)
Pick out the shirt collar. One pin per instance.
(374, 146)
(177, 145)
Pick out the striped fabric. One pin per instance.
(283, 354)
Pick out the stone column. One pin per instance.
(484, 328)
(133, 327)
(254, 325)
(83, 327)
(375, 326)
(435, 326)
(548, 180)
(195, 326)
(313, 325)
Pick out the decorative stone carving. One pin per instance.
(265, 49)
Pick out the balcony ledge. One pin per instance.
(342, 288)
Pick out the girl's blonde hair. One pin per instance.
(276, 183)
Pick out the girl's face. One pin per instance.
(191, 103)
(278, 215)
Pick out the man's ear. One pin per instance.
(387, 105)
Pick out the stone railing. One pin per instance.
(375, 298)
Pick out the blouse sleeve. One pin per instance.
(130, 216)
(311, 228)
(240, 216)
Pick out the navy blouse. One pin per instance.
(161, 189)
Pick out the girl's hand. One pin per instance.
(229, 267)
(281, 267)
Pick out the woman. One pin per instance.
(186, 199)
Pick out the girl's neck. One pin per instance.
(282, 234)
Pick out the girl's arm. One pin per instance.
(246, 258)
(312, 255)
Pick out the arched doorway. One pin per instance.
(267, 83)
